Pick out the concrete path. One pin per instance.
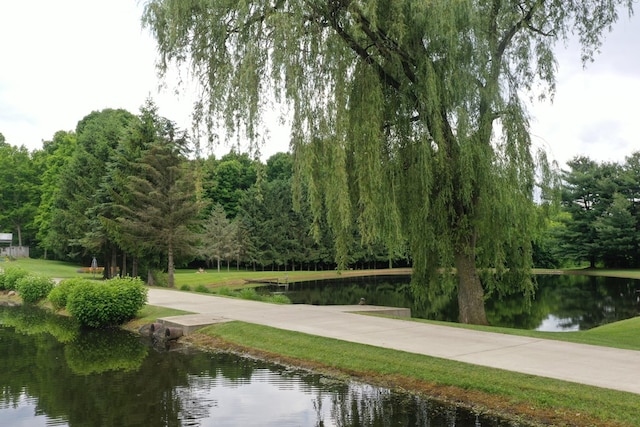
(592, 365)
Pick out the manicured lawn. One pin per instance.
(193, 278)
(53, 269)
(553, 401)
(623, 334)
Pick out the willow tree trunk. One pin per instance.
(470, 292)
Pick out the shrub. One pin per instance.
(10, 276)
(203, 289)
(160, 278)
(278, 299)
(250, 294)
(60, 293)
(33, 288)
(225, 290)
(108, 303)
(185, 288)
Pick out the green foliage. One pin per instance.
(77, 205)
(52, 160)
(160, 278)
(279, 299)
(33, 320)
(202, 289)
(10, 276)
(20, 195)
(218, 237)
(33, 288)
(407, 116)
(231, 176)
(249, 294)
(600, 216)
(185, 288)
(60, 293)
(97, 351)
(101, 304)
(225, 291)
(157, 207)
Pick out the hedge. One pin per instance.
(109, 303)
(59, 295)
(10, 276)
(32, 288)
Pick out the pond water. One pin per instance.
(561, 303)
(55, 374)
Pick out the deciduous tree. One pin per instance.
(407, 115)
(19, 189)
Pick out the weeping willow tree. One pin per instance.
(408, 115)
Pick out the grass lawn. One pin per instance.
(53, 269)
(548, 401)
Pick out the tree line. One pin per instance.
(124, 188)
(128, 190)
(598, 223)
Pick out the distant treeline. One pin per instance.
(132, 191)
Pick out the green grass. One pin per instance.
(521, 394)
(237, 278)
(150, 313)
(623, 334)
(53, 269)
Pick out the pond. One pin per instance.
(55, 374)
(561, 303)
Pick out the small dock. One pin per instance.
(191, 322)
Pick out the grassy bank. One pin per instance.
(547, 401)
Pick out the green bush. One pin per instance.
(33, 288)
(160, 278)
(60, 293)
(250, 294)
(278, 299)
(203, 289)
(226, 291)
(185, 288)
(10, 276)
(101, 304)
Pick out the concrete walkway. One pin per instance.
(598, 366)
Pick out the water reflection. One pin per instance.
(111, 378)
(561, 302)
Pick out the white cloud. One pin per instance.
(595, 111)
(63, 59)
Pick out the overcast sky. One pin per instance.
(63, 59)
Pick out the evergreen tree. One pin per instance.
(161, 213)
(217, 236)
(587, 193)
(52, 161)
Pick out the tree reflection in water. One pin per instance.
(112, 378)
(577, 301)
